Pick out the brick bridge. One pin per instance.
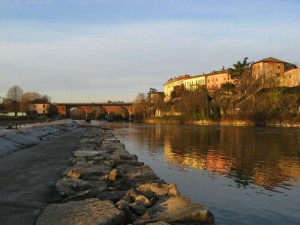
(91, 108)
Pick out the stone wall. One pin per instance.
(107, 185)
(290, 78)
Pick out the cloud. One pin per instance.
(120, 60)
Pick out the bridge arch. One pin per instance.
(77, 113)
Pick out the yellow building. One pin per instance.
(290, 78)
(194, 82)
(39, 106)
(173, 82)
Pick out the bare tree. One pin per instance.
(28, 97)
(14, 97)
(141, 106)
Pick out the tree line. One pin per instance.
(17, 100)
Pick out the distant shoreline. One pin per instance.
(224, 122)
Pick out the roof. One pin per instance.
(39, 101)
(270, 59)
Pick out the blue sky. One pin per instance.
(100, 50)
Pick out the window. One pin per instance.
(43, 106)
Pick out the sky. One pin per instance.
(101, 50)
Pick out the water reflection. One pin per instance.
(260, 156)
(244, 175)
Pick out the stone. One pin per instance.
(158, 190)
(90, 211)
(124, 155)
(129, 213)
(110, 140)
(85, 170)
(137, 175)
(159, 223)
(132, 194)
(68, 187)
(144, 200)
(138, 208)
(118, 180)
(113, 196)
(176, 210)
(86, 153)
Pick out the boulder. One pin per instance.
(111, 195)
(90, 211)
(176, 211)
(68, 187)
(158, 190)
(159, 223)
(138, 208)
(137, 175)
(86, 153)
(144, 200)
(84, 170)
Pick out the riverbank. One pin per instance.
(226, 122)
(26, 135)
(107, 185)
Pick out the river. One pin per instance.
(244, 175)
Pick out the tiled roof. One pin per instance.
(270, 59)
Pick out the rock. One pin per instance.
(129, 213)
(138, 208)
(124, 155)
(111, 195)
(110, 140)
(158, 190)
(137, 175)
(132, 194)
(90, 211)
(159, 223)
(144, 200)
(176, 210)
(85, 170)
(118, 180)
(86, 153)
(68, 187)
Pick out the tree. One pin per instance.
(28, 97)
(141, 106)
(14, 97)
(47, 98)
(239, 68)
(194, 105)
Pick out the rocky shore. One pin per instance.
(106, 185)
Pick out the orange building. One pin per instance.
(214, 80)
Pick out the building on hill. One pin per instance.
(157, 96)
(214, 80)
(272, 70)
(194, 82)
(172, 83)
(291, 78)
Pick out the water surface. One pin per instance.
(244, 175)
